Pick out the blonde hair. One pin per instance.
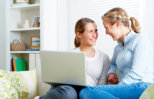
(80, 27)
(119, 14)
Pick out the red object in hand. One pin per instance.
(113, 81)
(113, 78)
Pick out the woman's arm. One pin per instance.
(103, 78)
(112, 66)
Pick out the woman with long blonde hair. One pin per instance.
(133, 57)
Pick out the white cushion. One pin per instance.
(18, 85)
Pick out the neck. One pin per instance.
(90, 52)
(125, 31)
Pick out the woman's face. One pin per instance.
(112, 30)
(89, 36)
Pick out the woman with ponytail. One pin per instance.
(133, 58)
(97, 62)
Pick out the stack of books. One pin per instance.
(18, 64)
(32, 49)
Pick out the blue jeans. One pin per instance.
(130, 91)
(63, 92)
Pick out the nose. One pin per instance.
(106, 32)
(94, 34)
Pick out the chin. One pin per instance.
(93, 44)
(114, 39)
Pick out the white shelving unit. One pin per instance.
(24, 29)
(23, 52)
(25, 6)
(18, 14)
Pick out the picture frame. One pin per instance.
(21, 1)
(36, 21)
(35, 42)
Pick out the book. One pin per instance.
(32, 49)
(14, 65)
(20, 64)
(12, 68)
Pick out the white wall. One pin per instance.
(63, 33)
(49, 24)
(148, 20)
(2, 35)
(54, 25)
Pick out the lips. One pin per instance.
(93, 39)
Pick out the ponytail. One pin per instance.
(135, 25)
(77, 41)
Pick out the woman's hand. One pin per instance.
(112, 78)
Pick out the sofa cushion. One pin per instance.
(148, 93)
(18, 85)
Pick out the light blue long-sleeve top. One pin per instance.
(134, 59)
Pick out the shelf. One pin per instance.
(17, 14)
(24, 6)
(24, 52)
(24, 29)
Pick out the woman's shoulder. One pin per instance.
(140, 39)
(137, 37)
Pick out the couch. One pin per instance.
(21, 85)
(28, 84)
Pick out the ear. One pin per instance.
(78, 34)
(118, 23)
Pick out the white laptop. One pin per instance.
(63, 67)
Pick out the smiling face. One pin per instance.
(89, 36)
(112, 30)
